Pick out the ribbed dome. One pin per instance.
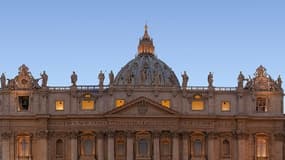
(146, 69)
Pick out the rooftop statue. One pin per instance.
(3, 81)
(44, 79)
(101, 78)
(240, 80)
(73, 78)
(210, 79)
(185, 79)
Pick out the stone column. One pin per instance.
(277, 151)
(73, 100)
(6, 145)
(73, 147)
(111, 153)
(242, 145)
(100, 146)
(156, 154)
(185, 151)
(43, 144)
(212, 149)
(175, 146)
(130, 145)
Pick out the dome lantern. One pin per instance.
(146, 44)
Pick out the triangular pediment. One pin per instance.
(142, 107)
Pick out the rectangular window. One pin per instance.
(261, 105)
(226, 106)
(197, 105)
(120, 102)
(59, 105)
(87, 105)
(165, 103)
(23, 103)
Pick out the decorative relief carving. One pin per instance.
(142, 108)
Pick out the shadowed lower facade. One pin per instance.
(144, 113)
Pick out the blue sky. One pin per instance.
(199, 36)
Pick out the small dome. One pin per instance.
(146, 69)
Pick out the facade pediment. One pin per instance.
(142, 107)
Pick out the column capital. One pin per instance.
(185, 134)
(42, 134)
(175, 134)
(212, 135)
(73, 134)
(110, 134)
(279, 136)
(242, 136)
(100, 134)
(130, 134)
(156, 134)
(6, 135)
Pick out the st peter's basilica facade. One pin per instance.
(144, 113)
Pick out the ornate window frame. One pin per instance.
(59, 155)
(261, 104)
(87, 97)
(260, 152)
(120, 141)
(83, 138)
(195, 137)
(165, 138)
(147, 137)
(26, 140)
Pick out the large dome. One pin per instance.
(146, 69)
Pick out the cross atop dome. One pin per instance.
(146, 44)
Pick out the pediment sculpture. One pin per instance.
(263, 82)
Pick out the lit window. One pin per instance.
(23, 103)
(226, 106)
(59, 105)
(87, 96)
(23, 144)
(262, 147)
(87, 105)
(165, 103)
(120, 102)
(261, 105)
(197, 105)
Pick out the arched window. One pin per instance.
(59, 148)
(261, 146)
(23, 145)
(226, 148)
(197, 147)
